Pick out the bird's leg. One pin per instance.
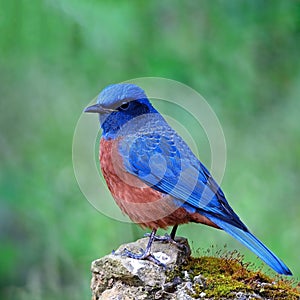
(146, 254)
(170, 239)
(165, 238)
(173, 232)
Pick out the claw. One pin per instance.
(144, 255)
(169, 239)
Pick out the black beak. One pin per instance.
(97, 108)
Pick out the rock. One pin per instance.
(117, 277)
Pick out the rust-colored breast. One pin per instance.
(143, 205)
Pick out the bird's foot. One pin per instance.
(177, 241)
(161, 238)
(144, 255)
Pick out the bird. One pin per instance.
(154, 176)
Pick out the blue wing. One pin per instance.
(166, 163)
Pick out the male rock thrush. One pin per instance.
(155, 178)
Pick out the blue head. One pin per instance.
(119, 103)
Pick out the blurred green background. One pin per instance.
(55, 56)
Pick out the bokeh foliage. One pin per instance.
(55, 56)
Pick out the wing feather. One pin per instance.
(167, 164)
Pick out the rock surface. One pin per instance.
(117, 277)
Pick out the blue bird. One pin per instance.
(154, 176)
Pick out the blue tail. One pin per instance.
(255, 245)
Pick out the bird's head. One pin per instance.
(119, 103)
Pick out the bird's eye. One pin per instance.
(124, 106)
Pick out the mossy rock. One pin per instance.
(222, 276)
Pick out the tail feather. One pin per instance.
(255, 245)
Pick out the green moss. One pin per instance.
(226, 275)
